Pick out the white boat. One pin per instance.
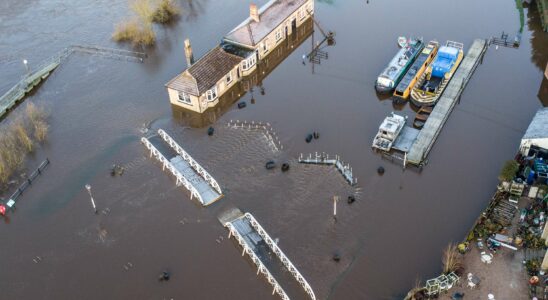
(402, 41)
(388, 132)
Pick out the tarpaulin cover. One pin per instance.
(444, 61)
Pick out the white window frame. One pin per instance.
(249, 62)
(228, 78)
(184, 98)
(279, 34)
(212, 94)
(302, 13)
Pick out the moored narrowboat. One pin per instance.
(398, 66)
(416, 70)
(432, 83)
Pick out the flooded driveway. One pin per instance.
(394, 232)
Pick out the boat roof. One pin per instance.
(403, 55)
(537, 127)
(271, 15)
(391, 123)
(406, 80)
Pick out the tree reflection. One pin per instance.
(539, 39)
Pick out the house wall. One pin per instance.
(269, 42)
(200, 103)
(300, 15)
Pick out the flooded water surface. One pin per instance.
(54, 247)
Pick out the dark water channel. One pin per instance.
(393, 234)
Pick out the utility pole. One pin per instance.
(88, 187)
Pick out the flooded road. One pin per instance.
(393, 234)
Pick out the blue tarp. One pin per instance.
(444, 61)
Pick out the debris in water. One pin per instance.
(270, 165)
(285, 167)
(164, 276)
(380, 170)
(351, 199)
(336, 257)
(117, 170)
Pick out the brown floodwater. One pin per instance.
(392, 235)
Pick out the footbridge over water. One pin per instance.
(263, 251)
(187, 171)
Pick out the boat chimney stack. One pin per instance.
(188, 53)
(254, 12)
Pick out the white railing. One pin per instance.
(323, 159)
(283, 258)
(260, 266)
(167, 164)
(267, 129)
(194, 164)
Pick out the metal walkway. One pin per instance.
(427, 136)
(323, 159)
(253, 239)
(186, 170)
(29, 81)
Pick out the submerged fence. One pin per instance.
(28, 182)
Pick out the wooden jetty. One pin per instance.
(427, 136)
(323, 159)
(16, 93)
(186, 170)
(262, 250)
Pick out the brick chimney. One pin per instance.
(188, 53)
(254, 12)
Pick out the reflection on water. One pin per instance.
(539, 38)
(543, 92)
(252, 83)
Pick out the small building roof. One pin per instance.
(538, 128)
(271, 15)
(205, 73)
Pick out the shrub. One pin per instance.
(165, 11)
(132, 31)
(40, 131)
(143, 9)
(452, 261)
(509, 170)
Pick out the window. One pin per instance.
(185, 98)
(302, 13)
(279, 34)
(265, 47)
(228, 78)
(211, 94)
(249, 62)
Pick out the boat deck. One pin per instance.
(405, 140)
(427, 136)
